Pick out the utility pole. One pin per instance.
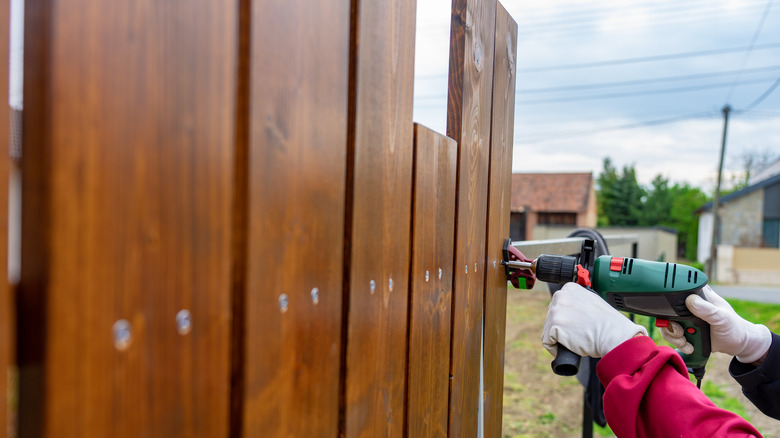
(713, 245)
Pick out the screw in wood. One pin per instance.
(122, 334)
(283, 302)
(184, 322)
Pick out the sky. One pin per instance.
(641, 82)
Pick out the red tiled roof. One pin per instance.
(551, 192)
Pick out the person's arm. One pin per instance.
(648, 394)
(756, 350)
(761, 380)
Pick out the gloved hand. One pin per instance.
(729, 333)
(583, 322)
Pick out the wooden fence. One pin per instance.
(232, 226)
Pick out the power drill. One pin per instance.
(655, 289)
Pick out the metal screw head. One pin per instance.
(475, 267)
(494, 264)
(183, 322)
(315, 295)
(283, 302)
(439, 273)
(427, 275)
(372, 284)
(467, 269)
(390, 284)
(122, 334)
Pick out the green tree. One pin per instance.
(685, 201)
(658, 203)
(622, 201)
(619, 196)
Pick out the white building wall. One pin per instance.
(705, 237)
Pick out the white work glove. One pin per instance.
(729, 333)
(583, 322)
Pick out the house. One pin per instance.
(551, 199)
(748, 218)
(748, 244)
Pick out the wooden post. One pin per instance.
(296, 186)
(7, 314)
(435, 161)
(379, 218)
(126, 195)
(468, 122)
(499, 200)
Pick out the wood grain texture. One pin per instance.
(128, 167)
(297, 163)
(468, 122)
(380, 217)
(433, 213)
(499, 200)
(7, 314)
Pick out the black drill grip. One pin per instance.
(565, 363)
(556, 269)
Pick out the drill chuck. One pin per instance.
(556, 268)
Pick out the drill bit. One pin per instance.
(520, 265)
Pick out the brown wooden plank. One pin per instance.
(297, 173)
(380, 151)
(7, 316)
(499, 200)
(127, 173)
(433, 225)
(468, 121)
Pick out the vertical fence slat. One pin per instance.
(472, 35)
(499, 199)
(297, 162)
(433, 213)
(7, 315)
(126, 198)
(382, 81)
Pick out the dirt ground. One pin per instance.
(538, 403)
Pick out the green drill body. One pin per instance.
(654, 289)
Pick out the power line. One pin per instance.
(619, 28)
(565, 135)
(620, 61)
(639, 92)
(761, 98)
(649, 58)
(656, 13)
(577, 9)
(614, 94)
(752, 43)
(645, 81)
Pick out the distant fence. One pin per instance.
(232, 226)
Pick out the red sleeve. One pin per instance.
(648, 394)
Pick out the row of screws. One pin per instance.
(284, 300)
(123, 333)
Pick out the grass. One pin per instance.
(767, 314)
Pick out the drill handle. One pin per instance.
(566, 363)
(697, 332)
